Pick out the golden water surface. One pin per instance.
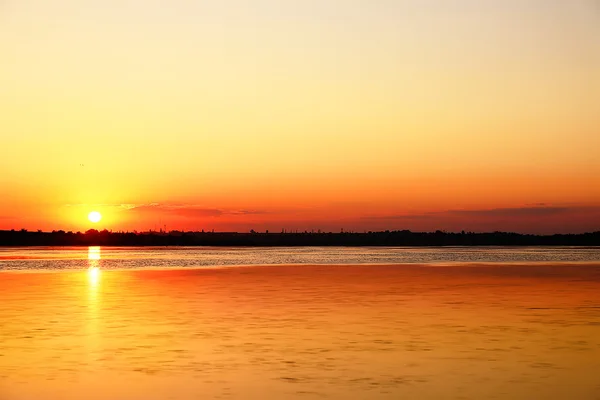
(490, 331)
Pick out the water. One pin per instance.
(428, 324)
(48, 258)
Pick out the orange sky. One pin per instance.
(321, 114)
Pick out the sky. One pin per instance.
(301, 114)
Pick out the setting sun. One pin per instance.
(94, 216)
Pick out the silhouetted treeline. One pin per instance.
(387, 238)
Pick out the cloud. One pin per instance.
(537, 211)
(533, 210)
(126, 206)
(176, 209)
(402, 216)
(190, 210)
(246, 212)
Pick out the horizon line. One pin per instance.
(295, 232)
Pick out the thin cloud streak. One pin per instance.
(126, 206)
(514, 212)
(402, 216)
(185, 210)
(191, 210)
(539, 210)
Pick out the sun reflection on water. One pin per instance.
(94, 253)
(94, 275)
(94, 257)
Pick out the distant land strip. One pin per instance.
(94, 237)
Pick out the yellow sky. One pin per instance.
(298, 112)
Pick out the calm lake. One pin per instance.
(299, 323)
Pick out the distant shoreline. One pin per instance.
(311, 239)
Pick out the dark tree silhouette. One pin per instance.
(94, 237)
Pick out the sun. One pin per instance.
(94, 216)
